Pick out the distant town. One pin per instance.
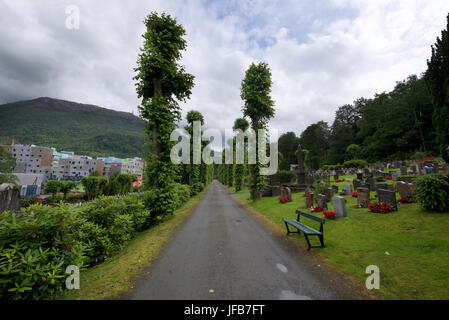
(35, 165)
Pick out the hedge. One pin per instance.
(432, 191)
(40, 241)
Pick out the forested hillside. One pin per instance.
(84, 129)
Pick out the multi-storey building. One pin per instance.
(134, 165)
(75, 167)
(31, 159)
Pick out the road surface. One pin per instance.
(222, 252)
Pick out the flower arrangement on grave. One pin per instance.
(379, 207)
(329, 214)
(317, 209)
(404, 200)
(354, 194)
(389, 177)
(283, 200)
(343, 193)
(338, 180)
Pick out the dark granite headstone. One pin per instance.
(388, 197)
(363, 197)
(321, 201)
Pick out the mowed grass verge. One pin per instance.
(410, 247)
(114, 277)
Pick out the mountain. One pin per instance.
(69, 126)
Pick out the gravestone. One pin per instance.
(329, 192)
(339, 204)
(288, 193)
(335, 189)
(403, 171)
(371, 182)
(363, 197)
(388, 197)
(309, 199)
(9, 198)
(365, 185)
(266, 191)
(381, 186)
(275, 191)
(321, 201)
(405, 190)
(301, 175)
(356, 183)
(395, 175)
(348, 189)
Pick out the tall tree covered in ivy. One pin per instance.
(193, 169)
(161, 83)
(437, 79)
(242, 125)
(259, 108)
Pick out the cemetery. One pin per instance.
(381, 223)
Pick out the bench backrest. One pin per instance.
(300, 213)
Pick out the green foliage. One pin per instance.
(380, 179)
(288, 146)
(84, 129)
(55, 186)
(258, 106)
(315, 139)
(197, 188)
(284, 176)
(161, 83)
(354, 150)
(94, 186)
(39, 242)
(355, 164)
(7, 162)
(432, 192)
(437, 79)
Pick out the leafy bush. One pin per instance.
(432, 191)
(380, 179)
(197, 188)
(94, 186)
(182, 192)
(36, 245)
(355, 164)
(39, 242)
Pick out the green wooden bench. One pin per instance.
(308, 231)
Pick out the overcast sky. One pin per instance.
(322, 53)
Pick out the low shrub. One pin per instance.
(355, 164)
(432, 192)
(379, 179)
(197, 187)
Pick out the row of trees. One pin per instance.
(413, 117)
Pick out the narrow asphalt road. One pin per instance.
(221, 252)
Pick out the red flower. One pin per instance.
(317, 209)
(404, 200)
(338, 180)
(354, 194)
(283, 200)
(379, 207)
(389, 177)
(329, 214)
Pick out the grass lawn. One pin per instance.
(112, 278)
(410, 247)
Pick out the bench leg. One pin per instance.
(288, 230)
(322, 241)
(308, 242)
